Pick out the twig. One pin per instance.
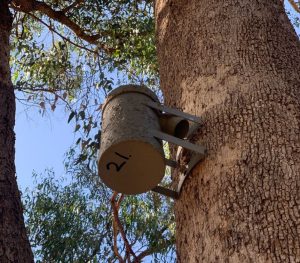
(295, 5)
(115, 206)
(151, 250)
(68, 8)
(60, 35)
(46, 90)
(28, 6)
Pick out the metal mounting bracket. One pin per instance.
(182, 176)
(180, 142)
(198, 154)
(198, 151)
(163, 108)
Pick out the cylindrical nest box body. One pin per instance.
(131, 159)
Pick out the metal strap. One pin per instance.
(171, 163)
(185, 144)
(165, 191)
(163, 108)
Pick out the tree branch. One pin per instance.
(33, 91)
(295, 5)
(60, 35)
(115, 234)
(60, 16)
(115, 206)
(68, 8)
(115, 246)
(152, 250)
(149, 251)
(28, 6)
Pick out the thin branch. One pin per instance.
(68, 8)
(145, 253)
(48, 91)
(152, 250)
(119, 201)
(28, 6)
(115, 206)
(115, 234)
(115, 246)
(295, 5)
(60, 35)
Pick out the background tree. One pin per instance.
(236, 64)
(78, 219)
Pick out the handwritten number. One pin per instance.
(122, 156)
(117, 167)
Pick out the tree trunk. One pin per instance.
(236, 63)
(14, 244)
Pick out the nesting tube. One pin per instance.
(174, 125)
(131, 159)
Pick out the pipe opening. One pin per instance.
(182, 129)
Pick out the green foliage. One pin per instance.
(53, 58)
(64, 224)
(53, 66)
(70, 220)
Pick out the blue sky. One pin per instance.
(41, 142)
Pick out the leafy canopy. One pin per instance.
(72, 220)
(71, 54)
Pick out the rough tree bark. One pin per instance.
(236, 63)
(14, 244)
